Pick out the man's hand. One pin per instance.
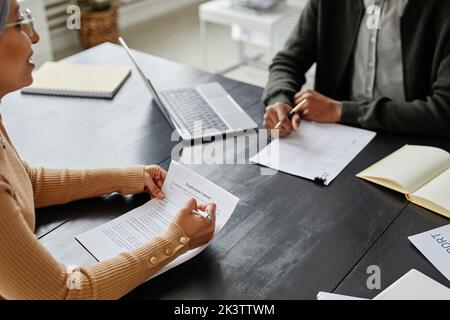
(318, 107)
(154, 177)
(279, 112)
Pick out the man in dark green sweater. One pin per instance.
(381, 64)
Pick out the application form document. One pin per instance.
(139, 226)
(315, 151)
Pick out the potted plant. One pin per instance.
(99, 22)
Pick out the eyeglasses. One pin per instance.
(26, 23)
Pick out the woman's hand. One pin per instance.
(199, 230)
(154, 177)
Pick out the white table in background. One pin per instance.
(268, 29)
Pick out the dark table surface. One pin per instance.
(287, 239)
(395, 254)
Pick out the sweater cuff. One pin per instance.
(280, 97)
(174, 233)
(164, 248)
(113, 278)
(350, 112)
(131, 180)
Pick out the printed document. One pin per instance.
(315, 151)
(152, 219)
(435, 246)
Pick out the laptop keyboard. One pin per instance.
(191, 107)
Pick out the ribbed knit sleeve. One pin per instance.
(28, 270)
(59, 186)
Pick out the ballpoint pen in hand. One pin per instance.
(204, 214)
(298, 108)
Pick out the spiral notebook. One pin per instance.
(78, 80)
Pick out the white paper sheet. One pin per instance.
(414, 285)
(333, 296)
(152, 219)
(315, 151)
(435, 246)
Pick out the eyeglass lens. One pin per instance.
(28, 27)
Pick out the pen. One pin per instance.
(205, 215)
(293, 111)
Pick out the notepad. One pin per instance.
(316, 151)
(422, 173)
(78, 80)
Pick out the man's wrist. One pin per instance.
(338, 111)
(279, 104)
(280, 97)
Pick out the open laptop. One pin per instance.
(203, 111)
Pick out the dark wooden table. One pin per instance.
(287, 239)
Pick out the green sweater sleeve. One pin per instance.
(287, 71)
(428, 116)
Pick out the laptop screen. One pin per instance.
(153, 92)
(146, 80)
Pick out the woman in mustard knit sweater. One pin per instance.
(27, 270)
